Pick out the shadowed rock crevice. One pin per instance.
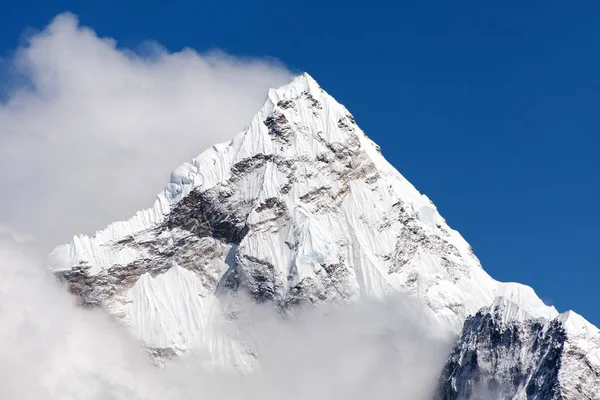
(200, 213)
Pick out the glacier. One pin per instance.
(301, 207)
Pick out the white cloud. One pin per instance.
(50, 349)
(89, 131)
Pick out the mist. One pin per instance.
(52, 349)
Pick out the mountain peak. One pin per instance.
(301, 83)
(299, 208)
(305, 197)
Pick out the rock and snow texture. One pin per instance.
(299, 207)
(507, 351)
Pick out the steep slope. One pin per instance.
(299, 207)
(505, 353)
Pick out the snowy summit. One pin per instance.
(302, 207)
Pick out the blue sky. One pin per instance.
(490, 108)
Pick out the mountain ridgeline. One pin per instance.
(302, 208)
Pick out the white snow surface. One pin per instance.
(519, 303)
(346, 205)
(583, 338)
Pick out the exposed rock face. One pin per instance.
(499, 356)
(301, 207)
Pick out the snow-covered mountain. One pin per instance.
(505, 353)
(299, 207)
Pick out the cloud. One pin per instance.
(385, 349)
(89, 131)
(51, 349)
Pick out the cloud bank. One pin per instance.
(89, 131)
(51, 349)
